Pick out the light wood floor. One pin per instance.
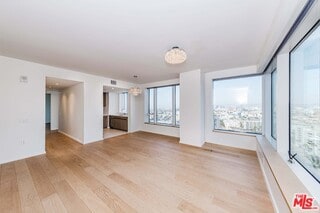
(138, 172)
(110, 133)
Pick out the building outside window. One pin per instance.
(237, 104)
(305, 102)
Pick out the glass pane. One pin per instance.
(305, 103)
(237, 104)
(164, 105)
(151, 105)
(273, 104)
(177, 105)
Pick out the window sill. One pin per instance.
(164, 125)
(284, 178)
(236, 133)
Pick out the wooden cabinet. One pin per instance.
(118, 122)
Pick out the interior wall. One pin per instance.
(113, 103)
(135, 118)
(237, 140)
(192, 108)
(93, 99)
(71, 119)
(22, 111)
(22, 128)
(55, 105)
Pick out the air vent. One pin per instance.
(113, 82)
(23, 79)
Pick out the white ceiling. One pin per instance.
(122, 38)
(59, 84)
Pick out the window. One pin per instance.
(273, 104)
(305, 102)
(237, 104)
(163, 105)
(123, 102)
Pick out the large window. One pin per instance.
(305, 102)
(163, 105)
(123, 102)
(273, 104)
(237, 104)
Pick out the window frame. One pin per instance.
(262, 102)
(271, 101)
(292, 156)
(147, 121)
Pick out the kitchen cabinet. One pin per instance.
(118, 122)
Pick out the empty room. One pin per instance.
(160, 106)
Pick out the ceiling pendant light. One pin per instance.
(135, 90)
(175, 56)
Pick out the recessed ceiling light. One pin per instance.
(112, 88)
(57, 84)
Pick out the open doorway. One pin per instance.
(65, 107)
(48, 113)
(115, 111)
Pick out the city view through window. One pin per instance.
(305, 103)
(163, 105)
(237, 104)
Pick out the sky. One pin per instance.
(305, 71)
(238, 91)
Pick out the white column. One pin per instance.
(192, 108)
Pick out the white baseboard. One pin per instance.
(69, 136)
(23, 157)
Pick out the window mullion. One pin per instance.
(155, 117)
(174, 106)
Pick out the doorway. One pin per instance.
(65, 107)
(115, 112)
(48, 113)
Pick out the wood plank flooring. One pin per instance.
(139, 172)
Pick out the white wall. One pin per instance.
(192, 108)
(135, 112)
(223, 138)
(71, 115)
(113, 103)
(93, 99)
(22, 111)
(55, 105)
(140, 112)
